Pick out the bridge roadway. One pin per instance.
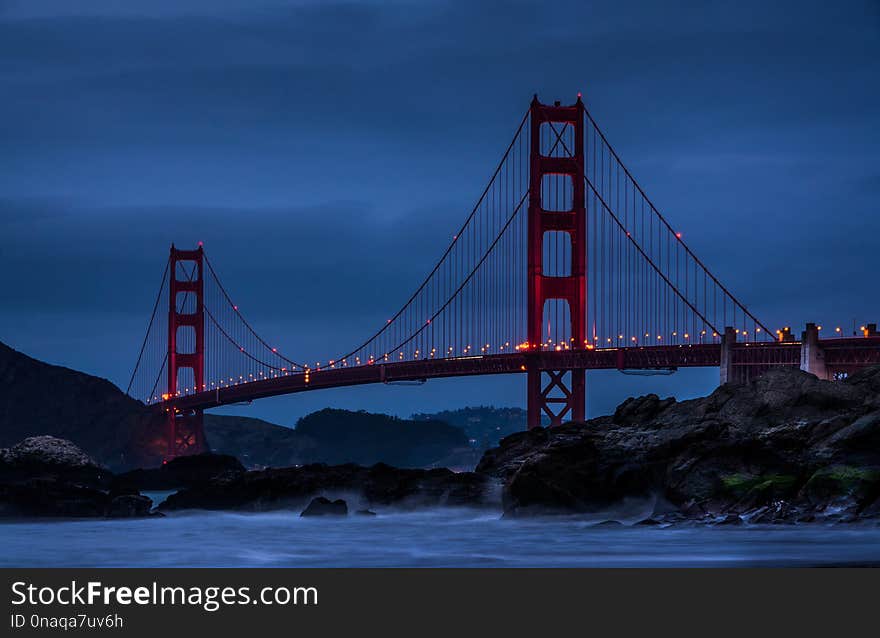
(746, 360)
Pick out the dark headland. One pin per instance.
(785, 448)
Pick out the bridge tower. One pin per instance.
(559, 394)
(185, 434)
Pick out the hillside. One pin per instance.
(37, 398)
(257, 443)
(341, 436)
(484, 425)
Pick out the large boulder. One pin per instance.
(51, 498)
(294, 487)
(129, 506)
(184, 471)
(49, 457)
(44, 476)
(322, 506)
(785, 447)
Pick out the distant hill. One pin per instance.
(483, 425)
(257, 443)
(38, 398)
(341, 436)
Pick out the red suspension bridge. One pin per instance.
(563, 265)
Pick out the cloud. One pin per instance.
(324, 151)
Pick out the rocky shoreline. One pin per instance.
(786, 448)
(44, 476)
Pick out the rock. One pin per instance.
(294, 487)
(45, 476)
(730, 519)
(365, 513)
(784, 438)
(46, 451)
(48, 497)
(129, 506)
(184, 471)
(50, 457)
(641, 409)
(842, 486)
(322, 506)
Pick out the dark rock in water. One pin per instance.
(184, 471)
(648, 522)
(365, 513)
(129, 506)
(730, 519)
(604, 524)
(45, 476)
(42, 497)
(322, 506)
(786, 437)
(293, 487)
(51, 458)
(57, 499)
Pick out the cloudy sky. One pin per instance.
(325, 151)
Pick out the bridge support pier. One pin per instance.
(728, 340)
(812, 355)
(553, 395)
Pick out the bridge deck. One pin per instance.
(842, 355)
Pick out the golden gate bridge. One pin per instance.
(563, 265)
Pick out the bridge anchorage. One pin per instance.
(562, 266)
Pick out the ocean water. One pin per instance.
(436, 538)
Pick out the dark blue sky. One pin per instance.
(324, 152)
